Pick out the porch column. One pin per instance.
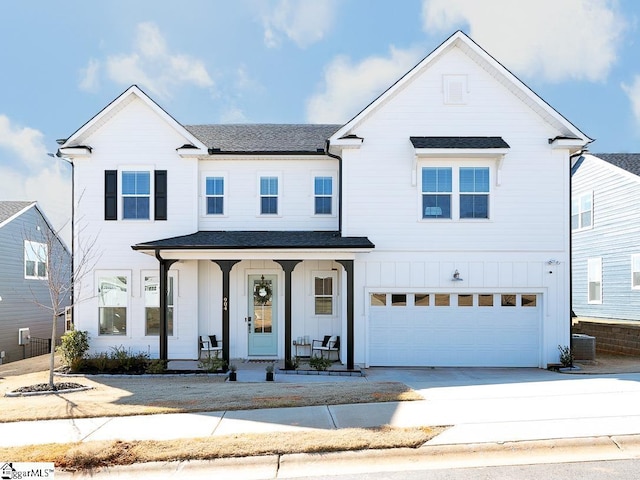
(225, 266)
(165, 265)
(287, 266)
(348, 267)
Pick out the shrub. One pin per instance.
(212, 364)
(320, 363)
(75, 344)
(119, 360)
(566, 356)
(291, 364)
(156, 366)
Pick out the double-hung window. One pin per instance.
(324, 292)
(594, 279)
(582, 211)
(35, 260)
(268, 195)
(323, 194)
(112, 303)
(474, 192)
(152, 304)
(635, 271)
(136, 195)
(214, 192)
(436, 192)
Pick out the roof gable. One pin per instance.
(466, 45)
(9, 210)
(79, 137)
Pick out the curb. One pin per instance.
(427, 457)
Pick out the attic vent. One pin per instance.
(454, 89)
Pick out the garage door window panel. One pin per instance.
(465, 300)
(442, 300)
(378, 299)
(421, 299)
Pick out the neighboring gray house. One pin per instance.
(605, 225)
(26, 239)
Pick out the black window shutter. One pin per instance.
(110, 194)
(160, 182)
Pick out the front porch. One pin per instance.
(295, 308)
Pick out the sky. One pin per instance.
(288, 61)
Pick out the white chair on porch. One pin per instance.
(210, 344)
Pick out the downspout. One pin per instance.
(577, 154)
(339, 158)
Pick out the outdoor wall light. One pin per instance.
(553, 262)
(456, 276)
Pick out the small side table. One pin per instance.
(301, 348)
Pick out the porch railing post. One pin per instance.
(165, 265)
(225, 266)
(287, 266)
(348, 266)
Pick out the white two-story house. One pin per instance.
(431, 229)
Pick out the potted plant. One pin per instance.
(270, 374)
(232, 372)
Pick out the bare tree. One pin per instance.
(64, 274)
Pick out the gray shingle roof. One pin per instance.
(627, 161)
(263, 138)
(458, 142)
(9, 208)
(222, 240)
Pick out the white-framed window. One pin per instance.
(594, 279)
(437, 188)
(323, 195)
(35, 260)
(269, 192)
(324, 292)
(136, 194)
(152, 302)
(582, 211)
(214, 191)
(455, 193)
(635, 271)
(113, 302)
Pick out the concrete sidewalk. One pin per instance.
(481, 406)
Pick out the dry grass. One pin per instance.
(83, 456)
(143, 395)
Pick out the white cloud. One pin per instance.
(633, 92)
(233, 115)
(151, 64)
(348, 87)
(27, 173)
(22, 142)
(89, 76)
(303, 22)
(556, 40)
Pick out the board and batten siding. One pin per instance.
(614, 237)
(529, 205)
(18, 307)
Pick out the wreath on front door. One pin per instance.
(262, 292)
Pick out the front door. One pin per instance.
(263, 315)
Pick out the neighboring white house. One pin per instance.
(431, 229)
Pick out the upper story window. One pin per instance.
(268, 195)
(35, 260)
(582, 211)
(474, 192)
(136, 195)
(594, 280)
(436, 192)
(214, 192)
(635, 271)
(460, 193)
(323, 194)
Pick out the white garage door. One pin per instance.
(454, 329)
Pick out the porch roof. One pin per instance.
(257, 240)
